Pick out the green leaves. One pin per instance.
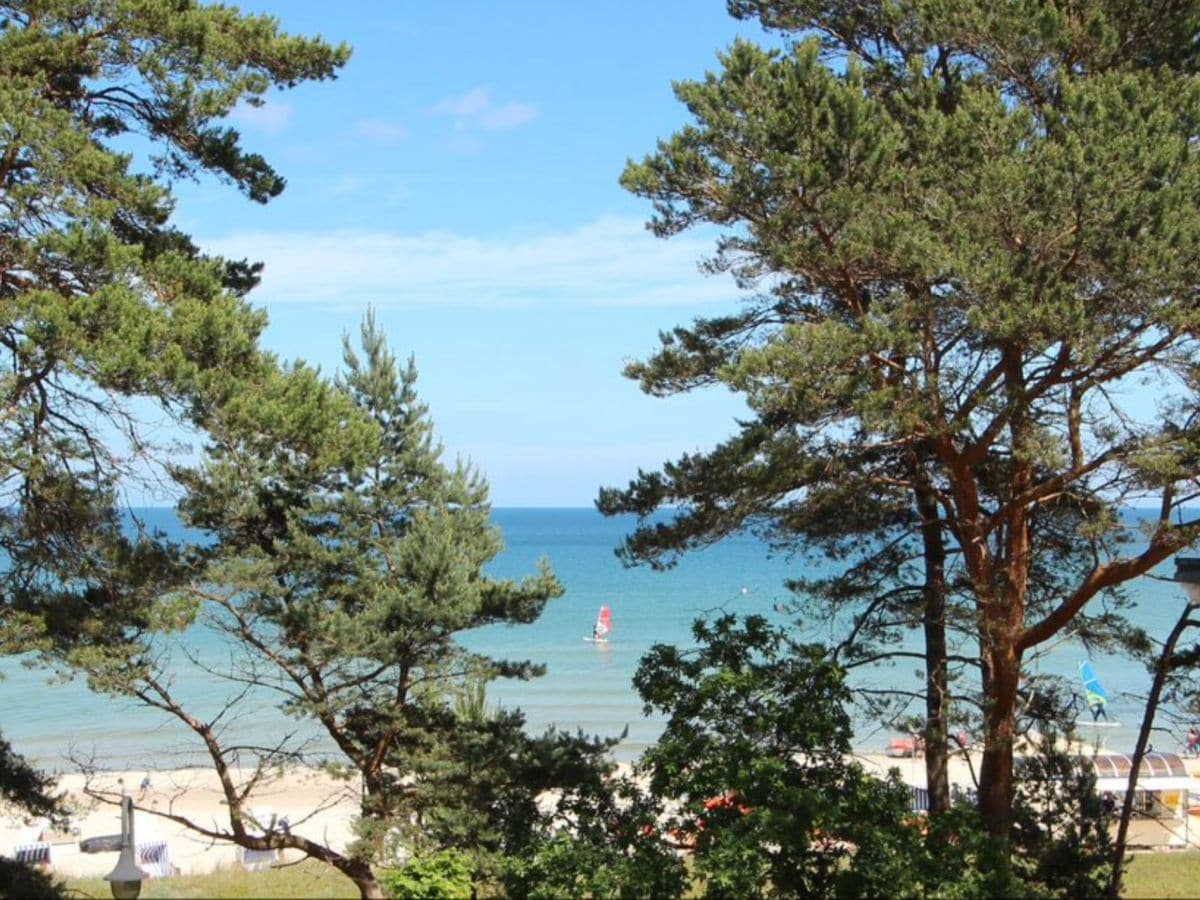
(445, 875)
(755, 757)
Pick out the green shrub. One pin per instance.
(445, 875)
(574, 866)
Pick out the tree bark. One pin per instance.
(363, 877)
(937, 776)
(1002, 668)
(1003, 614)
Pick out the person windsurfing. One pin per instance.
(1097, 697)
(602, 627)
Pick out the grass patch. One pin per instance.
(1163, 875)
(307, 879)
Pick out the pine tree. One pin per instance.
(108, 314)
(971, 229)
(345, 558)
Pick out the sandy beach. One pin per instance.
(315, 803)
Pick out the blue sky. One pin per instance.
(461, 176)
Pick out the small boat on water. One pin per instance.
(602, 628)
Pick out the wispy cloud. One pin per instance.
(612, 261)
(272, 117)
(510, 115)
(476, 110)
(381, 131)
(385, 190)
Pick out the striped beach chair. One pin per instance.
(155, 858)
(257, 860)
(36, 853)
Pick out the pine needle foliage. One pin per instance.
(346, 557)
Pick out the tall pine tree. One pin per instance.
(972, 229)
(345, 558)
(108, 314)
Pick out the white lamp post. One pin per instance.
(125, 880)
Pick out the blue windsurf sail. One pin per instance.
(1097, 696)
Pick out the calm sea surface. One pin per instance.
(586, 686)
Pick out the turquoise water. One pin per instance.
(586, 686)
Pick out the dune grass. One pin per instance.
(306, 879)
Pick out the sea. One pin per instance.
(61, 725)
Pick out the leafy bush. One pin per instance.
(755, 759)
(20, 880)
(614, 848)
(445, 875)
(566, 866)
(963, 861)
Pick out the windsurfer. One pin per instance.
(602, 628)
(1097, 697)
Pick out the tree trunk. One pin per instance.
(937, 749)
(937, 775)
(369, 888)
(1003, 617)
(363, 877)
(1002, 671)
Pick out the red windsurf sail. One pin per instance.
(603, 624)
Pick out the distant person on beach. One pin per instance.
(1110, 803)
(145, 787)
(1193, 741)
